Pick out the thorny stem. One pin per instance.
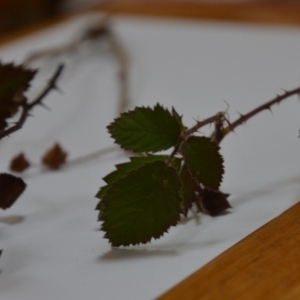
(51, 86)
(219, 119)
(174, 152)
(38, 101)
(93, 33)
(243, 118)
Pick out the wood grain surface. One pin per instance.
(272, 14)
(266, 264)
(282, 13)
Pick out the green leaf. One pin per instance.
(142, 205)
(176, 115)
(135, 162)
(124, 168)
(204, 161)
(189, 188)
(214, 202)
(146, 130)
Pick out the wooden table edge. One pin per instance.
(280, 14)
(264, 265)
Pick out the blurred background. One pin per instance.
(16, 14)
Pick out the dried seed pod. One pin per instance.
(54, 157)
(19, 163)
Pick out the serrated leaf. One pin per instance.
(14, 81)
(146, 130)
(134, 163)
(189, 188)
(176, 115)
(204, 161)
(123, 169)
(214, 202)
(11, 187)
(142, 205)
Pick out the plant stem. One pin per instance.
(217, 118)
(243, 118)
(26, 107)
(122, 59)
(220, 132)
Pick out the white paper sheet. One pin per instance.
(57, 252)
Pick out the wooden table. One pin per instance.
(265, 264)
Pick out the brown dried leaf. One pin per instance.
(54, 157)
(11, 187)
(19, 163)
(214, 202)
(14, 81)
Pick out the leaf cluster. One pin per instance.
(14, 82)
(147, 195)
